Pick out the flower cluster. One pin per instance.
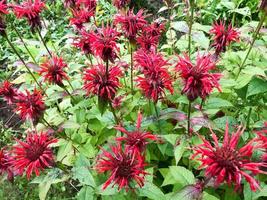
(126, 164)
(155, 77)
(3, 12)
(9, 93)
(5, 164)
(198, 80)
(84, 42)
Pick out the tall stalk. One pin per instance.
(248, 118)
(131, 51)
(24, 44)
(21, 59)
(252, 43)
(188, 118)
(191, 19)
(42, 39)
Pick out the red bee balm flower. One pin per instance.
(34, 154)
(31, 10)
(131, 23)
(84, 42)
(31, 106)
(123, 167)
(5, 164)
(156, 77)
(3, 11)
(136, 140)
(80, 17)
(53, 70)
(198, 81)
(3, 7)
(223, 36)
(148, 42)
(227, 162)
(104, 43)
(8, 91)
(97, 82)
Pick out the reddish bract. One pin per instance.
(5, 164)
(8, 92)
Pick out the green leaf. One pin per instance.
(243, 80)
(70, 125)
(179, 150)
(242, 11)
(207, 196)
(261, 193)
(102, 105)
(201, 40)
(180, 26)
(214, 103)
(256, 86)
(189, 192)
(152, 192)
(182, 175)
(81, 171)
(171, 138)
(86, 193)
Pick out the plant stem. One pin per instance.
(170, 28)
(21, 59)
(192, 5)
(157, 114)
(248, 119)
(64, 87)
(252, 43)
(24, 44)
(113, 112)
(106, 70)
(70, 84)
(131, 51)
(48, 124)
(42, 39)
(188, 118)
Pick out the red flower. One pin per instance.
(31, 106)
(131, 23)
(121, 3)
(34, 154)
(228, 162)
(104, 43)
(198, 81)
(8, 91)
(156, 77)
(117, 101)
(80, 17)
(148, 42)
(84, 42)
(5, 164)
(136, 140)
(53, 70)
(31, 10)
(223, 36)
(3, 7)
(97, 82)
(88, 4)
(123, 167)
(154, 29)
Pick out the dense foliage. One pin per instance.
(126, 99)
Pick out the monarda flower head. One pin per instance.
(84, 42)
(222, 36)
(198, 80)
(30, 106)
(148, 42)
(52, 70)
(131, 23)
(229, 162)
(3, 11)
(100, 83)
(122, 166)
(80, 17)
(155, 79)
(3, 8)
(119, 4)
(31, 10)
(6, 165)
(137, 139)
(104, 43)
(34, 154)
(156, 28)
(8, 92)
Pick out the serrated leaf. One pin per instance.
(207, 196)
(70, 125)
(243, 80)
(214, 103)
(180, 26)
(179, 150)
(152, 192)
(86, 193)
(200, 39)
(182, 175)
(256, 86)
(190, 192)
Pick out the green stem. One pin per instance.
(188, 118)
(252, 43)
(106, 70)
(170, 28)
(157, 114)
(248, 119)
(16, 52)
(131, 51)
(24, 44)
(42, 39)
(64, 87)
(70, 84)
(48, 124)
(113, 112)
(192, 4)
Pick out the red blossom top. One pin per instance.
(198, 80)
(80, 17)
(87, 4)
(119, 4)
(8, 92)
(131, 23)
(97, 82)
(154, 29)
(148, 42)
(30, 105)
(5, 164)
(3, 7)
(117, 101)
(156, 77)
(84, 42)
(104, 43)
(229, 162)
(53, 70)
(124, 168)
(223, 36)
(34, 154)
(136, 140)
(31, 10)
